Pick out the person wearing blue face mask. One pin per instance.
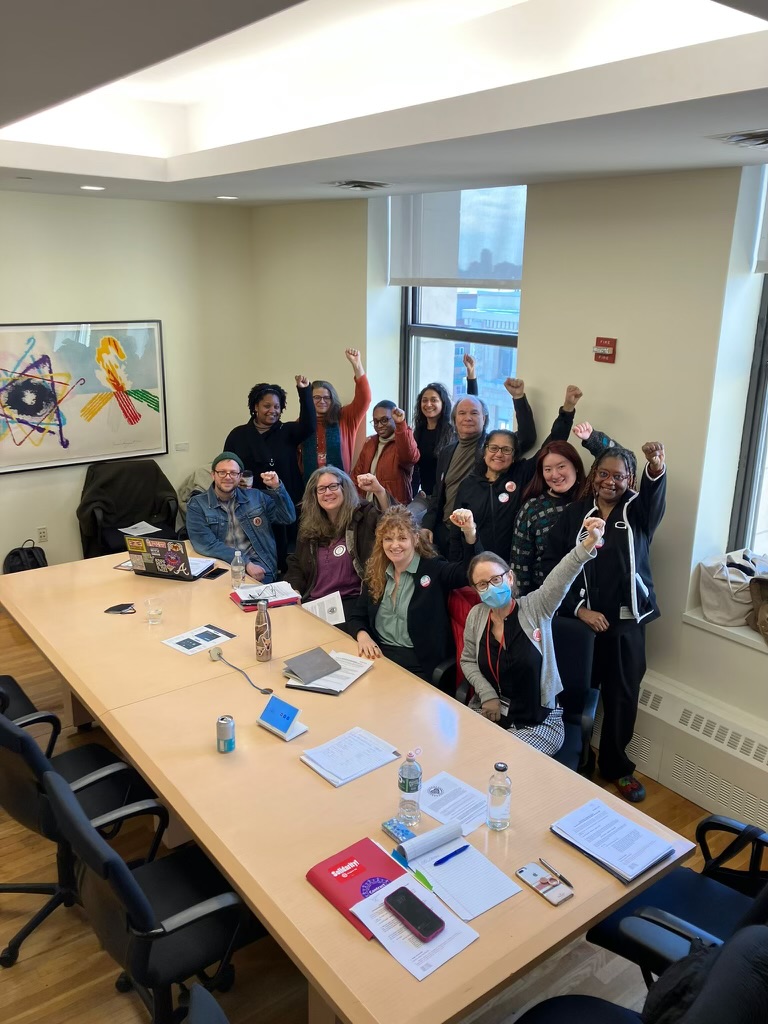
(509, 656)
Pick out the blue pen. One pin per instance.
(448, 856)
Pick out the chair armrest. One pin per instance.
(196, 913)
(42, 718)
(719, 823)
(99, 775)
(441, 676)
(588, 713)
(661, 939)
(139, 809)
(464, 692)
(674, 925)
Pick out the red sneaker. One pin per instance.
(631, 789)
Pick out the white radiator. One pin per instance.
(710, 753)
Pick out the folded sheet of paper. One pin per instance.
(419, 958)
(349, 756)
(449, 799)
(270, 592)
(469, 883)
(328, 608)
(200, 639)
(141, 529)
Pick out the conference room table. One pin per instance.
(266, 818)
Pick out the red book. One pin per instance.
(352, 874)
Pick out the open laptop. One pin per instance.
(165, 559)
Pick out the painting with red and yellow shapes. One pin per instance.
(80, 392)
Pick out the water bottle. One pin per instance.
(409, 784)
(263, 632)
(499, 798)
(238, 571)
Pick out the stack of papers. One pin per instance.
(619, 845)
(449, 799)
(275, 594)
(349, 756)
(349, 668)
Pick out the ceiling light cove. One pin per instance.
(93, 188)
(227, 197)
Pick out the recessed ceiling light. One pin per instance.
(359, 186)
(92, 188)
(227, 197)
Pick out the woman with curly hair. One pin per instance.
(402, 611)
(614, 593)
(334, 440)
(336, 535)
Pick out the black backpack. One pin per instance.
(19, 559)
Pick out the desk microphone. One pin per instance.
(215, 655)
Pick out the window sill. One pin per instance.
(739, 634)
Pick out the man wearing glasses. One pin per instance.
(229, 518)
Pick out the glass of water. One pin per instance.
(154, 608)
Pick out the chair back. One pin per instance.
(203, 1008)
(736, 987)
(22, 767)
(574, 645)
(460, 603)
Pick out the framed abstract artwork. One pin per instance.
(80, 392)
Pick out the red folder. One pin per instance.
(352, 874)
(252, 607)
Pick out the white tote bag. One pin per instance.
(724, 587)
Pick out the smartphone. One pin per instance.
(214, 573)
(541, 881)
(415, 915)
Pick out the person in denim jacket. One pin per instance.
(228, 518)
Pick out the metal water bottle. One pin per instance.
(263, 632)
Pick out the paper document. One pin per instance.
(449, 799)
(618, 844)
(419, 958)
(350, 668)
(200, 639)
(328, 608)
(469, 883)
(349, 756)
(141, 529)
(273, 593)
(200, 565)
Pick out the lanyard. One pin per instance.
(502, 647)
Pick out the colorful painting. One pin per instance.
(72, 393)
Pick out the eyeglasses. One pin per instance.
(619, 478)
(227, 472)
(321, 398)
(483, 585)
(505, 449)
(382, 421)
(322, 488)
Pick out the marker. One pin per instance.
(448, 856)
(557, 874)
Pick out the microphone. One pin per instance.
(215, 655)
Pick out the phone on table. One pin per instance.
(545, 884)
(214, 574)
(415, 915)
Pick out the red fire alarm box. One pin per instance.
(605, 350)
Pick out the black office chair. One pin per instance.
(162, 921)
(713, 904)
(574, 648)
(203, 1008)
(13, 701)
(734, 990)
(100, 779)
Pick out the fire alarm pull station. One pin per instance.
(605, 350)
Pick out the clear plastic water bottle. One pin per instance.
(499, 798)
(409, 785)
(238, 570)
(263, 632)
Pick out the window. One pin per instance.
(749, 523)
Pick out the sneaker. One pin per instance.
(631, 789)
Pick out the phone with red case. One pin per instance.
(545, 884)
(415, 915)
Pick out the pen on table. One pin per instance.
(449, 856)
(557, 874)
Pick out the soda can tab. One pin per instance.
(225, 734)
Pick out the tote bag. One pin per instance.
(724, 586)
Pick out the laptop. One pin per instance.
(165, 559)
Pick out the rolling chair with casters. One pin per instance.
(715, 903)
(162, 921)
(574, 648)
(98, 777)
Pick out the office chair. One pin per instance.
(734, 991)
(574, 647)
(162, 921)
(713, 904)
(119, 494)
(98, 777)
(203, 1008)
(14, 703)
(448, 676)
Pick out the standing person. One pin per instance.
(391, 453)
(508, 648)
(456, 460)
(494, 488)
(433, 428)
(558, 479)
(229, 518)
(334, 441)
(336, 535)
(614, 594)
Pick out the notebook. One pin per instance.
(350, 668)
(310, 666)
(276, 595)
(165, 559)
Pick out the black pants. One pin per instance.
(406, 658)
(618, 669)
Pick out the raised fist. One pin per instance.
(515, 386)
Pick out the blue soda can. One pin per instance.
(225, 734)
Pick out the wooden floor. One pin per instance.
(62, 975)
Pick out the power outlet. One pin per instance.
(42, 534)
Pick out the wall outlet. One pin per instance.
(42, 534)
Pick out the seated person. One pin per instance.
(336, 533)
(228, 518)
(402, 611)
(508, 648)
(390, 453)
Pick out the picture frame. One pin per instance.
(73, 393)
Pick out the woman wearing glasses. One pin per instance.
(509, 655)
(494, 488)
(337, 424)
(336, 534)
(614, 595)
(391, 453)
